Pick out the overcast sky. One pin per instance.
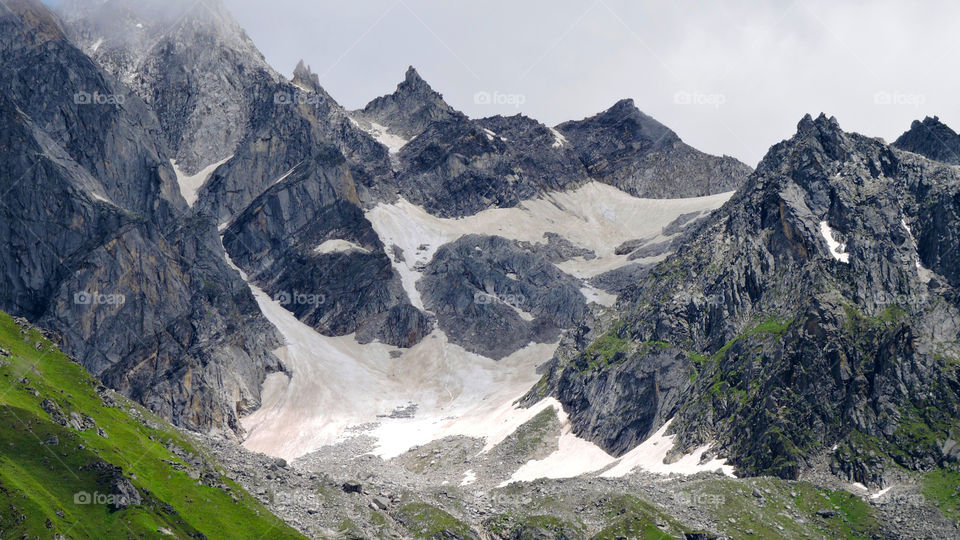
(730, 78)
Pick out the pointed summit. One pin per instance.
(412, 107)
(628, 149)
(933, 139)
(304, 77)
(412, 77)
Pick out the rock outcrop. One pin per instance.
(814, 310)
(107, 256)
(493, 297)
(306, 242)
(626, 148)
(933, 139)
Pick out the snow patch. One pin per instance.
(339, 246)
(593, 294)
(558, 139)
(924, 273)
(576, 456)
(382, 135)
(284, 176)
(469, 477)
(649, 456)
(492, 135)
(880, 493)
(96, 45)
(595, 216)
(190, 184)
(837, 250)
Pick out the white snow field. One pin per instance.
(576, 456)
(336, 388)
(837, 250)
(339, 246)
(381, 134)
(190, 184)
(595, 216)
(335, 384)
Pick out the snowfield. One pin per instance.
(335, 388)
(837, 250)
(190, 184)
(334, 383)
(381, 134)
(595, 216)
(576, 456)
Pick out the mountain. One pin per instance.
(455, 166)
(306, 236)
(181, 333)
(189, 59)
(456, 327)
(409, 110)
(81, 461)
(626, 148)
(933, 139)
(814, 316)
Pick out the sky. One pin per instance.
(730, 76)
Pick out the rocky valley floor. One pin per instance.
(342, 492)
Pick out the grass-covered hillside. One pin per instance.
(79, 461)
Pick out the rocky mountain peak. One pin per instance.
(933, 139)
(807, 124)
(630, 125)
(305, 77)
(35, 16)
(411, 108)
(626, 148)
(413, 79)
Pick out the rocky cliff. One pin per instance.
(626, 148)
(107, 256)
(813, 314)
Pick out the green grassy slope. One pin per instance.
(79, 480)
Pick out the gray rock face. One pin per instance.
(775, 345)
(933, 139)
(279, 241)
(558, 249)
(182, 333)
(288, 126)
(620, 279)
(86, 112)
(410, 109)
(190, 60)
(492, 297)
(459, 167)
(625, 148)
